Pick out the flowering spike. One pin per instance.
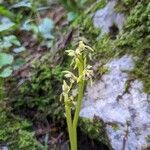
(79, 60)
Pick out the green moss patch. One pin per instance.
(135, 41)
(94, 129)
(41, 91)
(15, 132)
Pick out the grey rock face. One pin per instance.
(105, 18)
(130, 110)
(4, 148)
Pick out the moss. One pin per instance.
(103, 49)
(89, 34)
(99, 5)
(87, 29)
(125, 5)
(85, 23)
(127, 2)
(94, 129)
(115, 126)
(15, 132)
(103, 70)
(148, 138)
(41, 91)
(135, 41)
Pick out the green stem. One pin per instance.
(69, 123)
(78, 106)
(79, 101)
(72, 125)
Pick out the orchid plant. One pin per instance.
(72, 82)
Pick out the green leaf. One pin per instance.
(6, 72)
(5, 59)
(27, 25)
(4, 27)
(5, 45)
(12, 39)
(5, 12)
(71, 16)
(24, 3)
(19, 49)
(46, 27)
(8, 41)
(6, 24)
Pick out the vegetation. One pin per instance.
(94, 128)
(135, 40)
(41, 92)
(33, 37)
(15, 132)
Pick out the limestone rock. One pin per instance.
(129, 109)
(106, 18)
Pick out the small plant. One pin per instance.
(72, 100)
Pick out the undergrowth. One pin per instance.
(15, 132)
(40, 92)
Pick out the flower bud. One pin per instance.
(65, 87)
(81, 45)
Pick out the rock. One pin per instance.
(119, 101)
(106, 18)
(4, 148)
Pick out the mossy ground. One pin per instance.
(41, 91)
(15, 132)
